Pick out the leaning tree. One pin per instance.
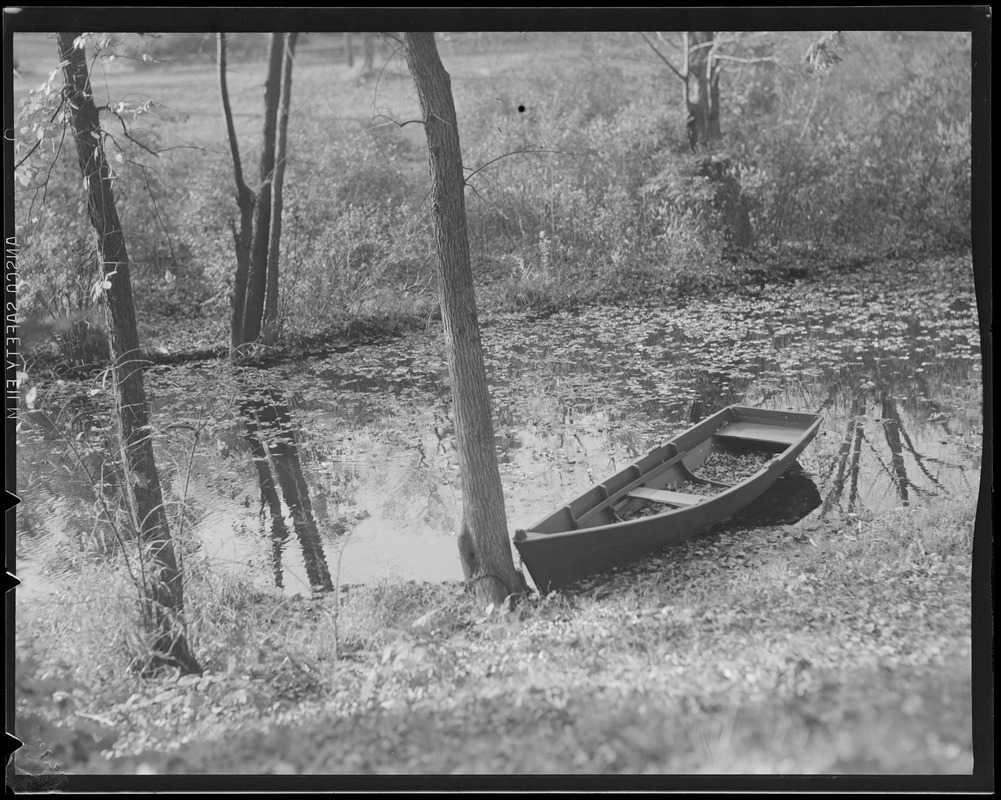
(484, 546)
(161, 580)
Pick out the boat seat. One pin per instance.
(666, 497)
(759, 432)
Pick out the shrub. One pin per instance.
(875, 153)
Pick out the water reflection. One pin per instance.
(353, 452)
(272, 440)
(879, 464)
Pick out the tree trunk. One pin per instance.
(713, 129)
(246, 201)
(270, 330)
(701, 88)
(350, 49)
(484, 547)
(253, 312)
(163, 603)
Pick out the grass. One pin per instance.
(836, 648)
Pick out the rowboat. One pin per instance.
(662, 499)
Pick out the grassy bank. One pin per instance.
(825, 648)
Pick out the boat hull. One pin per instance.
(590, 535)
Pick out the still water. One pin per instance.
(342, 468)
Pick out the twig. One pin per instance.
(27, 155)
(518, 152)
(48, 174)
(125, 130)
(37, 143)
(398, 124)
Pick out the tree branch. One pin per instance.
(399, 124)
(700, 45)
(27, 155)
(722, 56)
(241, 187)
(664, 39)
(662, 57)
(514, 153)
(128, 135)
(35, 146)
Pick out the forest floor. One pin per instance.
(820, 648)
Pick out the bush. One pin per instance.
(58, 260)
(874, 154)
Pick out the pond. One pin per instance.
(342, 468)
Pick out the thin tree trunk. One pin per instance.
(701, 82)
(350, 49)
(713, 131)
(484, 547)
(257, 281)
(271, 301)
(245, 200)
(164, 599)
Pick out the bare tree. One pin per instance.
(163, 598)
(281, 146)
(702, 56)
(484, 547)
(255, 286)
(246, 200)
(701, 63)
(699, 73)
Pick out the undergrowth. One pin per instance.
(576, 190)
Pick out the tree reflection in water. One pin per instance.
(272, 439)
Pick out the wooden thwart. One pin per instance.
(589, 518)
(667, 497)
(759, 432)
